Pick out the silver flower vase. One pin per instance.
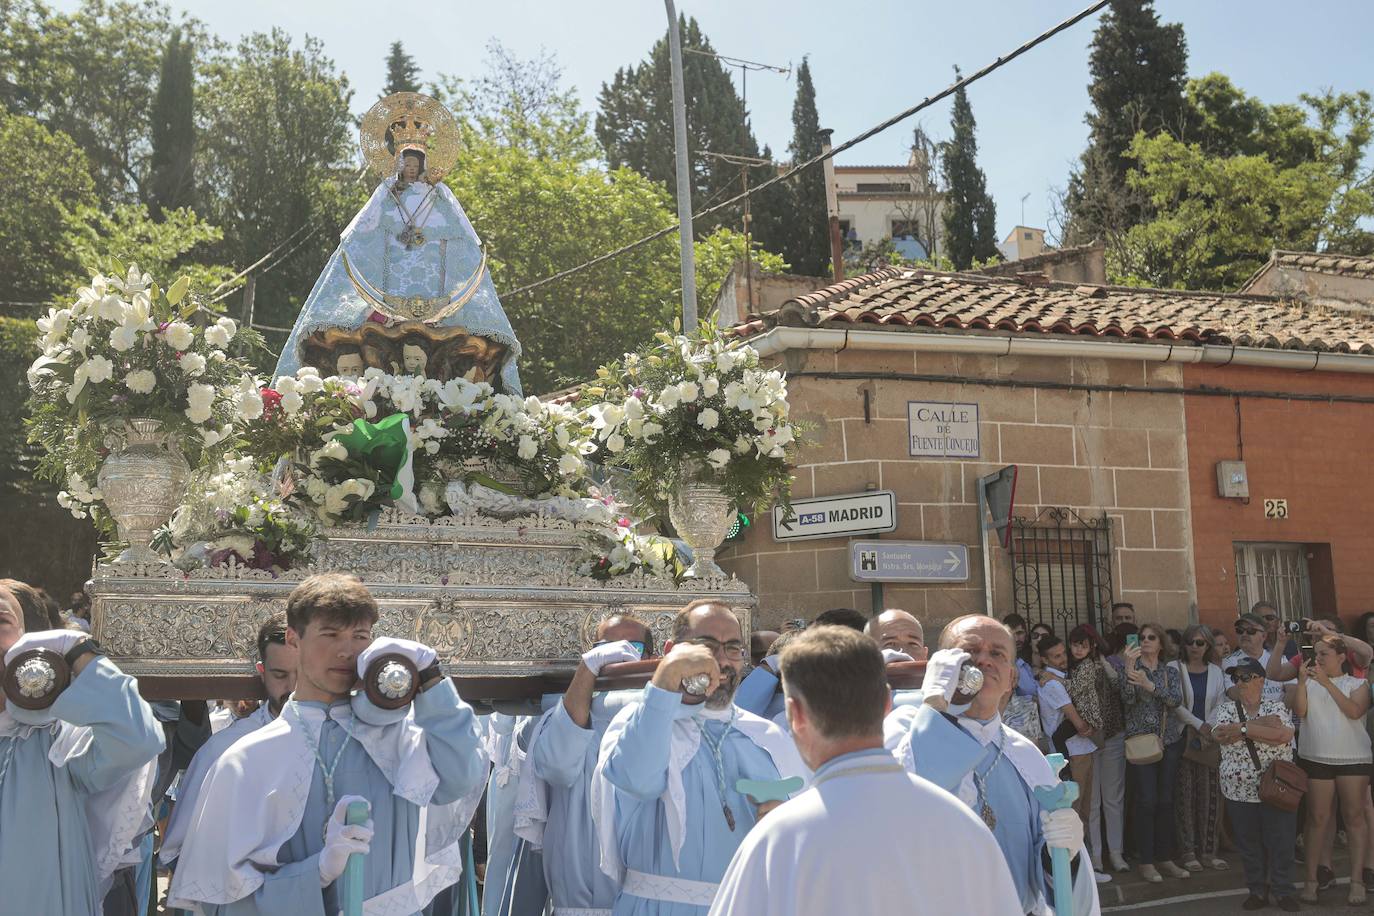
(143, 481)
(702, 514)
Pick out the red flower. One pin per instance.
(271, 403)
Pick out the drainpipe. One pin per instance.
(832, 209)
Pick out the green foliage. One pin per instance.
(1259, 178)
(18, 347)
(402, 73)
(970, 216)
(717, 253)
(173, 245)
(172, 183)
(635, 122)
(92, 74)
(1138, 67)
(47, 182)
(276, 154)
(806, 242)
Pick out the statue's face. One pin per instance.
(349, 364)
(414, 359)
(410, 168)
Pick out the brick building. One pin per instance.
(1096, 394)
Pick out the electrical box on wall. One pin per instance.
(1232, 480)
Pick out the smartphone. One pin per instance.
(1309, 655)
(1132, 641)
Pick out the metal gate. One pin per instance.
(1062, 569)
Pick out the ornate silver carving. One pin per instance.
(491, 598)
(143, 482)
(697, 684)
(35, 677)
(701, 513)
(394, 680)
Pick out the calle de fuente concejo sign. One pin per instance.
(941, 429)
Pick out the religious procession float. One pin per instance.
(393, 442)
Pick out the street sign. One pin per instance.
(907, 561)
(837, 516)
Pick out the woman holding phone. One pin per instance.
(1151, 692)
(1334, 750)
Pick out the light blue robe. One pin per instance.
(758, 693)
(294, 888)
(638, 769)
(47, 858)
(523, 890)
(564, 758)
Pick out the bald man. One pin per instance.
(896, 629)
(966, 749)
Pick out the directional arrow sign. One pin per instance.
(908, 561)
(837, 516)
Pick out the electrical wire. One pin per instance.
(925, 103)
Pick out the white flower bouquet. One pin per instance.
(128, 349)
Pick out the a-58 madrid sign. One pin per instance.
(870, 512)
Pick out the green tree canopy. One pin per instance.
(1258, 177)
(970, 216)
(48, 182)
(805, 239)
(172, 182)
(402, 73)
(1138, 67)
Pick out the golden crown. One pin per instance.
(408, 120)
(411, 131)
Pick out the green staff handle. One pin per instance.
(766, 790)
(351, 888)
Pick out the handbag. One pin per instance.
(1207, 753)
(1148, 748)
(1283, 783)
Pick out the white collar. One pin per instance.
(984, 732)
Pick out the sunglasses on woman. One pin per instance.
(1148, 637)
(1248, 631)
(1200, 643)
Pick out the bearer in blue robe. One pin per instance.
(554, 812)
(966, 750)
(268, 833)
(66, 819)
(668, 813)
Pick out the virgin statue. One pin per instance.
(408, 287)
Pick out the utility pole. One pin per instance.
(684, 185)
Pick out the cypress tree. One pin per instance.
(402, 73)
(1139, 69)
(172, 167)
(970, 217)
(804, 242)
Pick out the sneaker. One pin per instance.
(1255, 902)
(1171, 869)
(1102, 877)
(1150, 873)
(1288, 905)
(1118, 862)
(1325, 878)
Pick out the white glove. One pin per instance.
(342, 840)
(772, 663)
(1063, 829)
(942, 676)
(598, 657)
(419, 653)
(897, 655)
(59, 641)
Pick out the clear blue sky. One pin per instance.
(868, 59)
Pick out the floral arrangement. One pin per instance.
(454, 430)
(694, 408)
(128, 349)
(234, 512)
(625, 552)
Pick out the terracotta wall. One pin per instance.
(1314, 454)
(1094, 451)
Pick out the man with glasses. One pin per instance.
(665, 797)
(1252, 631)
(553, 811)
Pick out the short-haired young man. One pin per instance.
(74, 778)
(268, 835)
(836, 698)
(277, 669)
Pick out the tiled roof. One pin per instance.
(1341, 265)
(920, 300)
